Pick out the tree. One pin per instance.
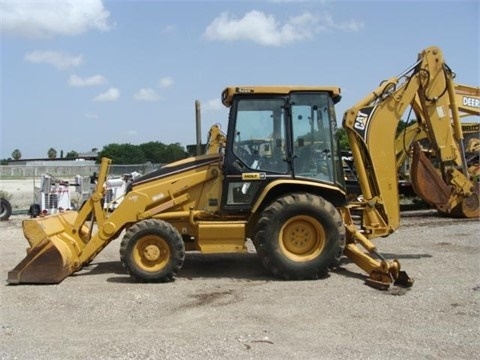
(123, 154)
(153, 151)
(16, 154)
(159, 153)
(52, 153)
(343, 139)
(72, 155)
(174, 152)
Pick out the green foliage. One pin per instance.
(72, 154)
(343, 139)
(4, 162)
(402, 125)
(175, 152)
(52, 153)
(16, 154)
(122, 154)
(154, 151)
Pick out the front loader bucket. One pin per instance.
(53, 254)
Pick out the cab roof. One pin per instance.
(231, 91)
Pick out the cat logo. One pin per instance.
(253, 176)
(360, 121)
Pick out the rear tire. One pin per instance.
(5, 209)
(152, 251)
(300, 236)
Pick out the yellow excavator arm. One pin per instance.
(428, 89)
(418, 136)
(467, 100)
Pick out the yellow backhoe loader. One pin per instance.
(275, 177)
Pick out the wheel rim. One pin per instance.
(151, 253)
(302, 238)
(468, 208)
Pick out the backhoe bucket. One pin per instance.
(429, 185)
(53, 254)
(426, 181)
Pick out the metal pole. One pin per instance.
(198, 121)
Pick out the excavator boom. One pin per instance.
(428, 89)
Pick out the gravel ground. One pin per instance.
(228, 306)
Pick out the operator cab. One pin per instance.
(276, 133)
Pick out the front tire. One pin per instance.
(152, 251)
(299, 236)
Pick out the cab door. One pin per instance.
(256, 154)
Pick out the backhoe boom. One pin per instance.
(429, 90)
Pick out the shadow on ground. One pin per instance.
(236, 266)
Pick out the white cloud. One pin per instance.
(94, 80)
(147, 94)
(328, 22)
(214, 104)
(264, 29)
(260, 28)
(165, 82)
(42, 18)
(58, 59)
(111, 94)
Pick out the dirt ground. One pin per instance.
(229, 307)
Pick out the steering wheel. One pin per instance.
(244, 155)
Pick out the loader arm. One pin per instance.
(428, 88)
(63, 243)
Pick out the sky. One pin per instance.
(82, 74)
